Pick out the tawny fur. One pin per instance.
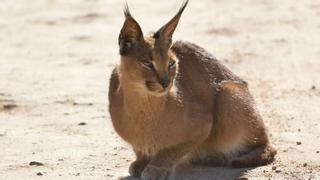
(204, 114)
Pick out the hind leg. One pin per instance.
(257, 157)
(237, 129)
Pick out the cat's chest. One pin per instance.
(148, 130)
(150, 126)
(151, 131)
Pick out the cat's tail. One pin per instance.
(257, 157)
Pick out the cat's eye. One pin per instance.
(147, 64)
(171, 64)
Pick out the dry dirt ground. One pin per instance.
(56, 57)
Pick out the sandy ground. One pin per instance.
(56, 57)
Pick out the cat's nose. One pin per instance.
(165, 81)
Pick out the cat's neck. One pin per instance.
(143, 102)
(137, 100)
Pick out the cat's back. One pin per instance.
(199, 72)
(195, 61)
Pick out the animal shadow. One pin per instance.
(205, 173)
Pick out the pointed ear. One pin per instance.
(165, 33)
(130, 34)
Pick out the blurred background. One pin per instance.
(56, 57)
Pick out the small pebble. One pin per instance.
(35, 163)
(82, 124)
(39, 174)
(317, 152)
(299, 143)
(274, 167)
(305, 164)
(278, 171)
(9, 106)
(313, 87)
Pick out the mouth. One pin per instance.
(156, 88)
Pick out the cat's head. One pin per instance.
(147, 61)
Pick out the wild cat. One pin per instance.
(176, 103)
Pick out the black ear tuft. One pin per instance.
(183, 6)
(126, 11)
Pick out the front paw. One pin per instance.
(155, 173)
(137, 167)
